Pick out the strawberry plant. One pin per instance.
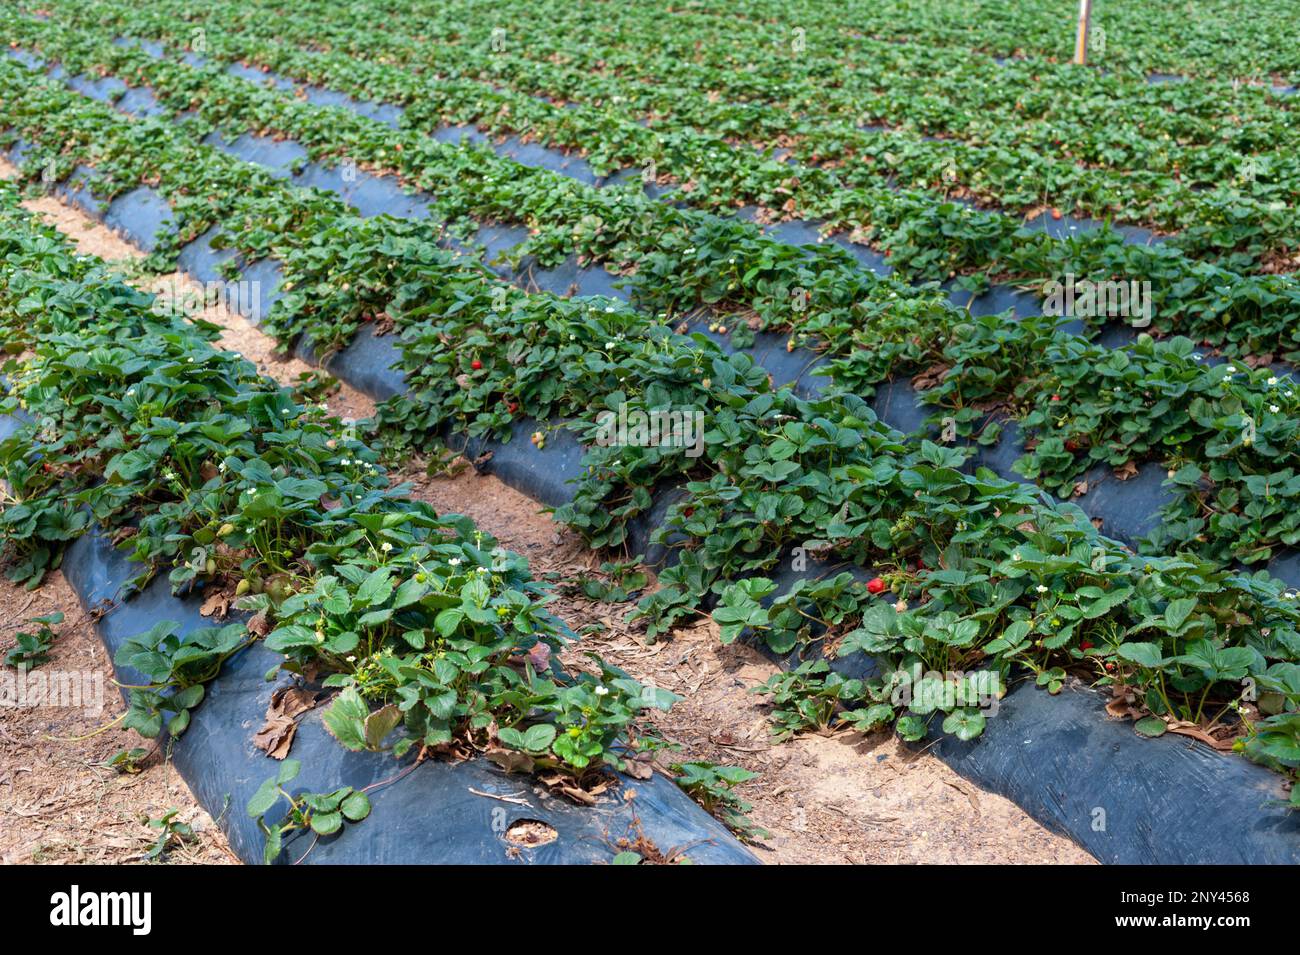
(321, 813)
(171, 833)
(898, 140)
(713, 787)
(32, 649)
(808, 697)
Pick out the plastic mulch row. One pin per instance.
(1123, 798)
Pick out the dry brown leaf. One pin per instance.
(1120, 706)
(294, 700)
(565, 786)
(930, 377)
(1126, 470)
(640, 767)
(580, 796)
(276, 735)
(124, 533)
(539, 655)
(216, 606)
(1183, 728)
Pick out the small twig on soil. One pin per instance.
(516, 799)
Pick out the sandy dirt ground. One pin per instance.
(840, 799)
(60, 801)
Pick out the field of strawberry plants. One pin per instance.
(952, 376)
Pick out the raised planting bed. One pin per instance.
(893, 466)
(1175, 772)
(271, 493)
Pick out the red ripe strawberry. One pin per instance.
(1056, 213)
(876, 586)
(476, 364)
(1110, 666)
(1072, 445)
(1056, 397)
(1086, 645)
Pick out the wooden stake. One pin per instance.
(1081, 38)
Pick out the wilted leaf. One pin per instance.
(216, 605)
(276, 735)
